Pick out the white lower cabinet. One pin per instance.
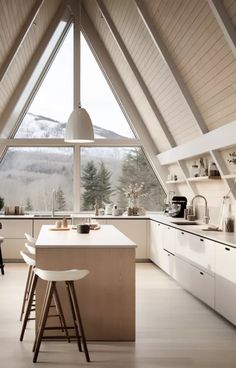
(196, 281)
(14, 239)
(136, 230)
(158, 255)
(225, 282)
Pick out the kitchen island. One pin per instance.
(107, 294)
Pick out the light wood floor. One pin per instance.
(174, 330)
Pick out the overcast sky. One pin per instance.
(55, 97)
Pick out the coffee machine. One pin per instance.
(177, 207)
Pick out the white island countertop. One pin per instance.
(106, 237)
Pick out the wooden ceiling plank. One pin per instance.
(20, 38)
(224, 22)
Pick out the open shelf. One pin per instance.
(204, 178)
(229, 176)
(175, 181)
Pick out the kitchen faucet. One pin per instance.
(53, 202)
(206, 217)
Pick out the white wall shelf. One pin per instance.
(229, 176)
(175, 181)
(204, 178)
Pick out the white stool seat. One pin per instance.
(67, 275)
(28, 258)
(30, 239)
(30, 247)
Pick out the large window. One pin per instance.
(29, 175)
(107, 172)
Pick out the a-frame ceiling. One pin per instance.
(172, 61)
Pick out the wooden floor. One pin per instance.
(174, 330)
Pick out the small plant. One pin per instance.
(1, 203)
(232, 159)
(134, 191)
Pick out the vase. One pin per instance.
(133, 205)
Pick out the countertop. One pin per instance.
(106, 237)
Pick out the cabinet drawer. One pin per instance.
(16, 228)
(169, 237)
(225, 298)
(168, 264)
(226, 262)
(202, 252)
(196, 281)
(11, 248)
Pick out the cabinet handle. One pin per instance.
(158, 224)
(226, 248)
(168, 254)
(201, 273)
(201, 239)
(182, 232)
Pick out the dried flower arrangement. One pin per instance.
(134, 191)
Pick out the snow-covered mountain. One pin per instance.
(38, 126)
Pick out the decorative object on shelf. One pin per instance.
(232, 159)
(168, 201)
(213, 170)
(133, 193)
(96, 207)
(228, 217)
(202, 167)
(194, 172)
(1, 203)
(64, 222)
(172, 177)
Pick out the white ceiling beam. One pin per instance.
(20, 38)
(171, 65)
(58, 142)
(225, 23)
(21, 94)
(122, 95)
(142, 84)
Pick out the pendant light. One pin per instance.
(79, 128)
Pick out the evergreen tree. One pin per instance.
(28, 204)
(104, 189)
(136, 169)
(60, 199)
(90, 185)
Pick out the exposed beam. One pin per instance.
(142, 84)
(20, 38)
(225, 23)
(21, 93)
(56, 142)
(122, 95)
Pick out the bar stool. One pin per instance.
(68, 276)
(30, 261)
(1, 260)
(30, 245)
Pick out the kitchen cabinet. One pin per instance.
(169, 236)
(196, 281)
(158, 255)
(14, 239)
(225, 282)
(197, 250)
(136, 230)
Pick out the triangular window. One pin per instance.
(53, 102)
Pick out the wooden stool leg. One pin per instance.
(26, 292)
(71, 288)
(44, 320)
(77, 332)
(1, 261)
(60, 313)
(29, 305)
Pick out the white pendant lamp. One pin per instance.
(79, 128)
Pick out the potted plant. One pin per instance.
(232, 158)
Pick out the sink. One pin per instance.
(185, 223)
